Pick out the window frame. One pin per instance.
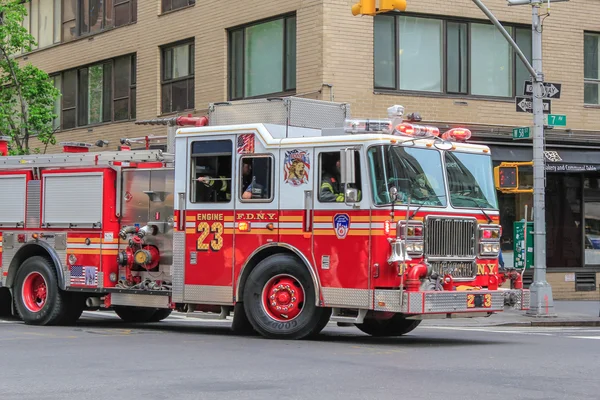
(78, 103)
(271, 177)
(192, 188)
(169, 82)
(357, 176)
(230, 50)
(191, 3)
(444, 54)
(590, 80)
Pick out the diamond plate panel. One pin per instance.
(100, 280)
(360, 298)
(178, 265)
(293, 111)
(457, 301)
(202, 294)
(33, 204)
(388, 300)
(414, 303)
(139, 300)
(9, 249)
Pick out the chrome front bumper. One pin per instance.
(445, 302)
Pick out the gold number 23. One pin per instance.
(204, 229)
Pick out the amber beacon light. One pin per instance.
(368, 7)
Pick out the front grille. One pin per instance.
(448, 237)
(458, 269)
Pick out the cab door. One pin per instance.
(341, 233)
(209, 220)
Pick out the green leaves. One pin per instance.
(27, 94)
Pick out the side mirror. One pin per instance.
(351, 195)
(347, 166)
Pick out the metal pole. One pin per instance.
(542, 303)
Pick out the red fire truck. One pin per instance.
(284, 211)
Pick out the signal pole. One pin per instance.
(542, 302)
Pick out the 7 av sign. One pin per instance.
(524, 104)
(551, 90)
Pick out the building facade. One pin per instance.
(118, 61)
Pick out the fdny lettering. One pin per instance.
(210, 217)
(257, 216)
(485, 269)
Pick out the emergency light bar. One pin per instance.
(457, 134)
(367, 125)
(417, 130)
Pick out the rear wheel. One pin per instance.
(279, 299)
(141, 314)
(38, 299)
(395, 326)
(160, 314)
(241, 325)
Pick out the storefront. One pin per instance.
(572, 214)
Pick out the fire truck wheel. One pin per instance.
(241, 324)
(5, 302)
(38, 298)
(160, 314)
(279, 299)
(135, 314)
(395, 326)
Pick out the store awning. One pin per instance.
(557, 159)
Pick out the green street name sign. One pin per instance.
(521, 133)
(557, 120)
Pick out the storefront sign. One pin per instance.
(562, 167)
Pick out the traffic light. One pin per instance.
(390, 5)
(368, 7)
(364, 7)
(506, 177)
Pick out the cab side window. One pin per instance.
(331, 187)
(211, 171)
(256, 178)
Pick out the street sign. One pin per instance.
(557, 120)
(521, 258)
(551, 90)
(524, 104)
(521, 133)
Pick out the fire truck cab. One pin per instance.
(284, 211)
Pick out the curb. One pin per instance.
(574, 323)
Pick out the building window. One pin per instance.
(84, 17)
(443, 56)
(591, 75)
(177, 77)
(262, 58)
(98, 93)
(169, 5)
(43, 21)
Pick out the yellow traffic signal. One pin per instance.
(364, 7)
(390, 5)
(506, 177)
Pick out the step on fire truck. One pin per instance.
(284, 212)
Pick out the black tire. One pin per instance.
(241, 325)
(160, 314)
(55, 306)
(307, 322)
(135, 314)
(75, 303)
(5, 302)
(395, 326)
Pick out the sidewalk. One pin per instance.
(568, 313)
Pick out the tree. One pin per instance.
(27, 94)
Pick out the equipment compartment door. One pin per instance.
(209, 220)
(341, 233)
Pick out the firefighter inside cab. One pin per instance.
(218, 185)
(332, 188)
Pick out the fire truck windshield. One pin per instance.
(470, 180)
(414, 172)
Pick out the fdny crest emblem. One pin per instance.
(341, 224)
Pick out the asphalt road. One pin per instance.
(186, 358)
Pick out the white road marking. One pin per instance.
(584, 337)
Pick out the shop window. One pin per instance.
(256, 178)
(211, 171)
(331, 187)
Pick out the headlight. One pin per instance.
(414, 247)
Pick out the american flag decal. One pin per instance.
(84, 276)
(245, 143)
